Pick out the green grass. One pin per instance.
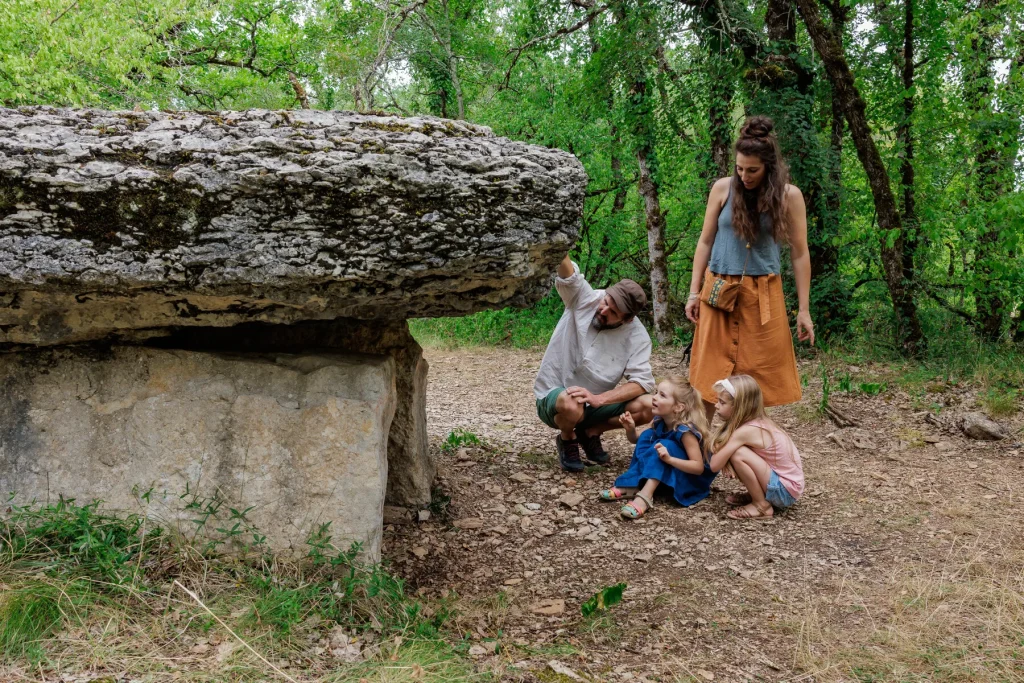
(89, 589)
(519, 328)
(28, 615)
(954, 356)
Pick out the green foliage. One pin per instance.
(665, 81)
(872, 388)
(517, 328)
(459, 437)
(63, 561)
(67, 540)
(609, 596)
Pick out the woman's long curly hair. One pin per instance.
(757, 140)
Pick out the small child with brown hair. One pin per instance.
(756, 450)
(670, 454)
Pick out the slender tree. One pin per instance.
(894, 238)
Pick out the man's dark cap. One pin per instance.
(629, 297)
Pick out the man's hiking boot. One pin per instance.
(569, 455)
(592, 447)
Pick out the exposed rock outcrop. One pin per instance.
(217, 302)
(116, 223)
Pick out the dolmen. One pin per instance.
(207, 310)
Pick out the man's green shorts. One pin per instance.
(591, 416)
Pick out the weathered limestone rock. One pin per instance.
(410, 470)
(116, 223)
(978, 426)
(212, 276)
(301, 439)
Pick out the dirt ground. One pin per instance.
(902, 561)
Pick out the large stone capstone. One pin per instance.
(216, 303)
(117, 223)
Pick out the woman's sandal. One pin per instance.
(614, 493)
(630, 511)
(745, 513)
(736, 499)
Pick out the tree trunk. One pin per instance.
(655, 219)
(993, 173)
(905, 137)
(899, 282)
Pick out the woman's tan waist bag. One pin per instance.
(722, 294)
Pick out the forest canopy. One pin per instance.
(900, 119)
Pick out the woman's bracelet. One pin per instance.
(693, 295)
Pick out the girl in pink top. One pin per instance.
(755, 450)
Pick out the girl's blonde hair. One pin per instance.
(693, 414)
(748, 404)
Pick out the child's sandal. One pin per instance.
(630, 511)
(612, 494)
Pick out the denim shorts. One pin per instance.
(777, 494)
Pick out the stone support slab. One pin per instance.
(301, 439)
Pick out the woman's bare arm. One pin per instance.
(801, 258)
(702, 254)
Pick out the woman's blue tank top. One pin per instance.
(729, 251)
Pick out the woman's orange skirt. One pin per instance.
(754, 339)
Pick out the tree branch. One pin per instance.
(565, 30)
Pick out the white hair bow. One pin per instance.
(725, 385)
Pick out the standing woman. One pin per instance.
(748, 216)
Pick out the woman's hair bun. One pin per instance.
(757, 127)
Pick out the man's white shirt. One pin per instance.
(579, 354)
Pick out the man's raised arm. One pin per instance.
(565, 268)
(571, 285)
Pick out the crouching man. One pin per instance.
(596, 344)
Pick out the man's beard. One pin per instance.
(599, 324)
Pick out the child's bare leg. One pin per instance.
(650, 486)
(754, 473)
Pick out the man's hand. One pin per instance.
(663, 454)
(627, 421)
(581, 396)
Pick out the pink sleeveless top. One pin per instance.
(783, 457)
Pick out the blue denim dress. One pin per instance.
(687, 489)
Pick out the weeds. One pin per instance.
(69, 566)
(999, 402)
(458, 438)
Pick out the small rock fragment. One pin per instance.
(548, 608)
(469, 523)
(563, 670)
(570, 500)
(394, 514)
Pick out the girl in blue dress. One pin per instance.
(671, 454)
